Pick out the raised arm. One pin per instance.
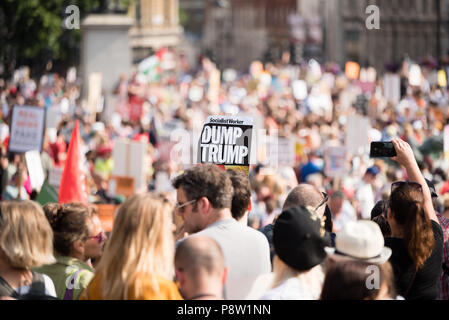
(406, 158)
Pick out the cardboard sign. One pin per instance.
(335, 162)
(129, 161)
(106, 213)
(34, 165)
(94, 95)
(226, 140)
(415, 75)
(54, 176)
(27, 129)
(352, 70)
(281, 152)
(121, 185)
(357, 139)
(392, 87)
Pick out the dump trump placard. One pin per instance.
(226, 140)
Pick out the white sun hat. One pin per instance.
(361, 240)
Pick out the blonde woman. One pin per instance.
(26, 241)
(137, 263)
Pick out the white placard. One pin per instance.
(357, 139)
(129, 161)
(27, 128)
(35, 170)
(54, 176)
(392, 87)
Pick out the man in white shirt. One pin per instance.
(204, 196)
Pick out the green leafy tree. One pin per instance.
(32, 32)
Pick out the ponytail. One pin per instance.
(419, 240)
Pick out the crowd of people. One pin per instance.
(289, 232)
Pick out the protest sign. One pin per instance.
(352, 70)
(121, 185)
(357, 140)
(415, 75)
(94, 94)
(392, 87)
(226, 140)
(35, 171)
(334, 161)
(27, 129)
(280, 152)
(54, 176)
(129, 161)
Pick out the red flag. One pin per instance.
(73, 187)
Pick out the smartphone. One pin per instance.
(382, 149)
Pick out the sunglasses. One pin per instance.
(181, 206)
(326, 197)
(399, 184)
(99, 237)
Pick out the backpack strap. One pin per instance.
(5, 289)
(38, 285)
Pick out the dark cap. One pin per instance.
(299, 238)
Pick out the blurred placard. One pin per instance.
(121, 185)
(129, 161)
(54, 176)
(392, 87)
(94, 94)
(34, 165)
(335, 161)
(27, 129)
(357, 139)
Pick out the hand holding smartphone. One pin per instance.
(380, 149)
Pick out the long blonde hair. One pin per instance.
(26, 238)
(141, 247)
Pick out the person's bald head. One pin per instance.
(303, 195)
(198, 256)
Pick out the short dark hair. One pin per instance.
(242, 193)
(351, 275)
(206, 181)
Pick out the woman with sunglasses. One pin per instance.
(137, 263)
(416, 237)
(78, 238)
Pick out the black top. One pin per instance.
(425, 285)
